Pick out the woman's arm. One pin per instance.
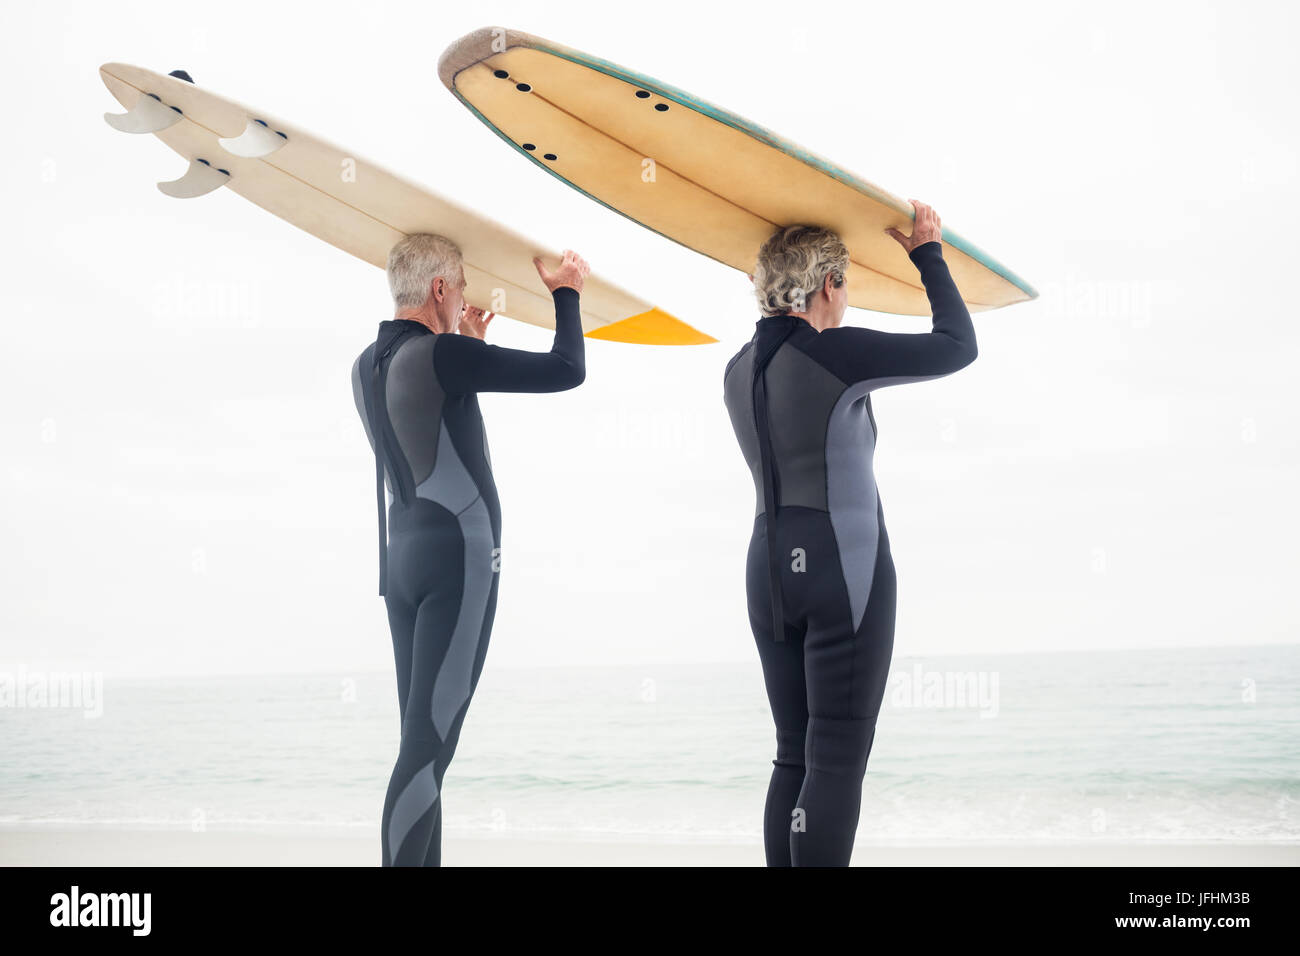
(889, 358)
(892, 358)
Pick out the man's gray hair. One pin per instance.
(415, 262)
(793, 264)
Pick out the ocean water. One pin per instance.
(1194, 744)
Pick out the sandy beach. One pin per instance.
(104, 847)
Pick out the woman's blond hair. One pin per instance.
(793, 264)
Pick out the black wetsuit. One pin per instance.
(800, 405)
(439, 571)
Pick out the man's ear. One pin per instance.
(751, 277)
(435, 292)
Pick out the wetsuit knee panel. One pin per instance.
(419, 733)
(840, 746)
(789, 748)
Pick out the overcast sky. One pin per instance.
(187, 488)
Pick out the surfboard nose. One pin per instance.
(473, 47)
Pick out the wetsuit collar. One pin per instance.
(393, 326)
(390, 329)
(786, 317)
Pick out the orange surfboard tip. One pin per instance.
(655, 327)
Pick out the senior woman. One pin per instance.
(819, 575)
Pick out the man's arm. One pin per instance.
(891, 358)
(466, 364)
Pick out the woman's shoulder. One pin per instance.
(736, 358)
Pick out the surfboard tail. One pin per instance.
(654, 327)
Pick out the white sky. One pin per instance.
(186, 486)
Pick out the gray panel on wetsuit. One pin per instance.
(738, 396)
(414, 400)
(453, 685)
(416, 799)
(801, 394)
(851, 489)
(359, 397)
(851, 493)
(451, 485)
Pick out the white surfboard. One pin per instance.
(358, 207)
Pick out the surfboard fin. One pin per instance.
(149, 115)
(255, 141)
(199, 180)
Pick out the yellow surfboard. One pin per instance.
(358, 207)
(695, 173)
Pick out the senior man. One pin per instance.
(416, 388)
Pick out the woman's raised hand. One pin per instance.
(925, 228)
